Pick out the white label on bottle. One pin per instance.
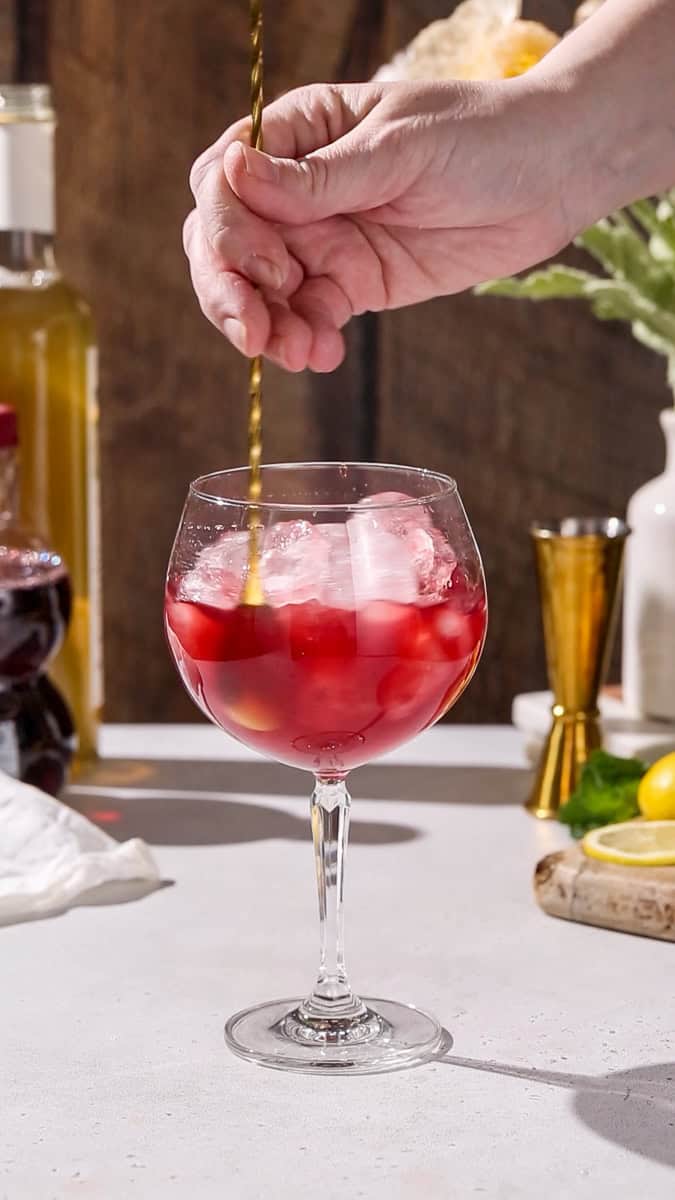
(94, 534)
(27, 176)
(9, 749)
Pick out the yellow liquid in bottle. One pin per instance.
(48, 374)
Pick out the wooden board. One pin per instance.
(628, 899)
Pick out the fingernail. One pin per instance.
(234, 331)
(260, 166)
(277, 351)
(262, 271)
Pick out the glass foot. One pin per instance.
(387, 1037)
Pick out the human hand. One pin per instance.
(368, 197)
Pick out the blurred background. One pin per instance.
(538, 412)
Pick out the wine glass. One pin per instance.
(372, 622)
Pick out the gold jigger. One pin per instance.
(579, 562)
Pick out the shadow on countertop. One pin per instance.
(204, 803)
(633, 1108)
(184, 819)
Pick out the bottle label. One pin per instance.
(94, 533)
(27, 176)
(9, 749)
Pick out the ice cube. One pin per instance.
(218, 574)
(335, 582)
(432, 556)
(420, 544)
(435, 577)
(397, 512)
(340, 565)
(293, 562)
(381, 563)
(228, 553)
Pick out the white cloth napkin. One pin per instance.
(50, 855)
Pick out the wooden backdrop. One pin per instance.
(537, 412)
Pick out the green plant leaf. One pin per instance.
(642, 333)
(620, 250)
(662, 244)
(557, 282)
(607, 793)
(671, 375)
(627, 257)
(610, 299)
(636, 248)
(616, 300)
(661, 228)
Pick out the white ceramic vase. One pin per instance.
(649, 592)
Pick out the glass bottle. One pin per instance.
(48, 373)
(36, 731)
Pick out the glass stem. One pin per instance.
(332, 999)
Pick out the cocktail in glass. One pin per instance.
(372, 624)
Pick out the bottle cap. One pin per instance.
(9, 435)
(26, 156)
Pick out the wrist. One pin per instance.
(577, 142)
(607, 94)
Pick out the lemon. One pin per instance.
(633, 844)
(251, 712)
(656, 793)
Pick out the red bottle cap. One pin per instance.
(9, 435)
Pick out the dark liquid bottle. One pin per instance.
(36, 730)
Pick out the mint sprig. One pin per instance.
(606, 793)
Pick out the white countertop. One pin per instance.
(114, 1078)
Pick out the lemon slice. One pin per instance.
(633, 844)
(257, 714)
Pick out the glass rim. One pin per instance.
(568, 528)
(448, 488)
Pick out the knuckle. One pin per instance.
(198, 171)
(189, 230)
(222, 297)
(213, 307)
(316, 170)
(221, 243)
(307, 98)
(336, 112)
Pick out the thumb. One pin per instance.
(336, 179)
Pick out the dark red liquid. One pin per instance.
(34, 614)
(324, 688)
(36, 731)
